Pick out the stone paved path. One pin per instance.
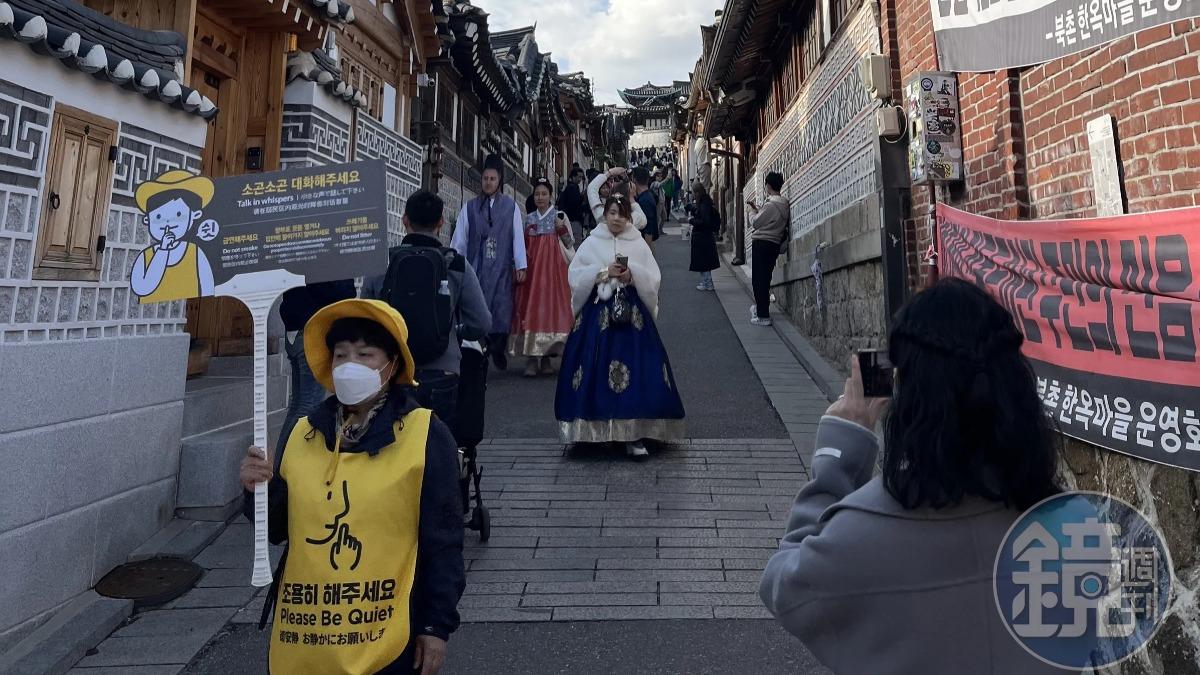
(588, 541)
(593, 536)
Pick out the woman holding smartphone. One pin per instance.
(904, 562)
(616, 383)
(542, 308)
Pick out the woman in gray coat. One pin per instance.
(893, 574)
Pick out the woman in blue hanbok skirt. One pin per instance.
(616, 383)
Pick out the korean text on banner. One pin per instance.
(1110, 309)
(988, 35)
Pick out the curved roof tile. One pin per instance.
(148, 62)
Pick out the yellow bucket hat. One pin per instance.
(176, 179)
(320, 358)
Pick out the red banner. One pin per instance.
(1110, 309)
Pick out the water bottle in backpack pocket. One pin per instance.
(417, 285)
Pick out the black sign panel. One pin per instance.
(318, 223)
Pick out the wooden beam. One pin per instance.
(370, 23)
(215, 61)
(185, 25)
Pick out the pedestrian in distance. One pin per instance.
(616, 384)
(614, 181)
(658, 189)
(367, 499)
(894, 574)
(543, 305)
(771, 228)
(439, 295)
(490, 232)
(296, 308)
(571, 201)
(705, 222)
(645, 199)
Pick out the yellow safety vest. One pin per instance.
(343, 602)
(179, 281)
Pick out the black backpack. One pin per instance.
(413, 287)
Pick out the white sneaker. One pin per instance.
(637, 451)
(761, 322)
(753, 312)
(701, 287)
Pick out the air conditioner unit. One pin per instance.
(876, 76)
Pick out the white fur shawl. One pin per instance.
(598, 251)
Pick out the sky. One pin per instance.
(616, 43)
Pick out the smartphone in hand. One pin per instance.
(623, 261)
(876, 368)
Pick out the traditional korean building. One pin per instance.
(495, 93)
(544, 125)
(782, 92)
(614, 129)
(575, 96)
(105, 439)
(467, 109)
(653, 110)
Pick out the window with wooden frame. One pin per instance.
(79, 169)
(366, 80)
(813, 42)
(839, 11)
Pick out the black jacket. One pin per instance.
(706, 223)
(441, 574)
(299, 304)
(570, 202)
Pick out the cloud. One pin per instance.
(616, 43)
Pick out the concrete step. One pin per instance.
(213, 402)
(208, 469)
(243, 366)
(183, 539)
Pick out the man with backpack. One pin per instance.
(440, 298)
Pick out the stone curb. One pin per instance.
(826, 377)
(90, 618)
(58, 645)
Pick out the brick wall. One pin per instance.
(1026, 155)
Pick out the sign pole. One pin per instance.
(259, 303)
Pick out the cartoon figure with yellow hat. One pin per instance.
(172, 268)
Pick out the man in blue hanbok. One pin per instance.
(490, 235)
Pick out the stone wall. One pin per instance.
(403, 159)
(852, 317)
(92, 381)
(826, 147)
(1026, 156)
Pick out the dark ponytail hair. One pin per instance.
(966, 418)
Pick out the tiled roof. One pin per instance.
(335, 10)
(471, 48)
(320, 67)
(510, 39)
(149, 62)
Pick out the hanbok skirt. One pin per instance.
(616, 382)
(542, 309)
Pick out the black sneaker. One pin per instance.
(500, 359)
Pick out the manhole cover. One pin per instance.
(150, 582)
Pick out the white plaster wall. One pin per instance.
(91, 382)
(75, 88)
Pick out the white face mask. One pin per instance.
(354, 383)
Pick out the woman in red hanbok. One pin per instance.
(542, 311)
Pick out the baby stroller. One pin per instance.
(468, 433)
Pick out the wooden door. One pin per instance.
(220, 326)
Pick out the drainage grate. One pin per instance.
(150, 582)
